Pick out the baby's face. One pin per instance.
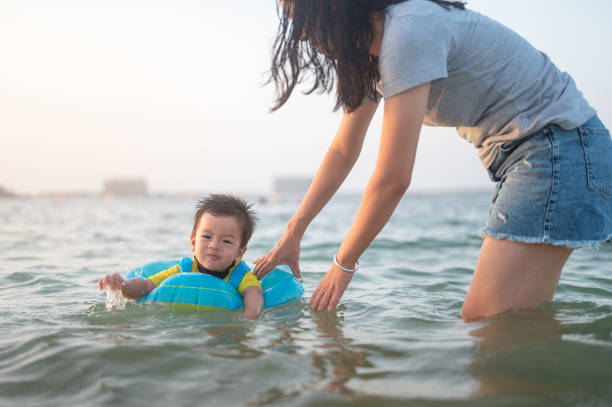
(216, 242)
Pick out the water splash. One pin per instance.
(114, 299)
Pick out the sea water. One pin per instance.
(396, 339)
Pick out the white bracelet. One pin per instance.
(341, 267)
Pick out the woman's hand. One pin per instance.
(330, 289)
(339, 159)
(286, 251)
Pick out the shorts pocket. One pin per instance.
(597, 146)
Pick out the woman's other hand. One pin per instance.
(330, 289)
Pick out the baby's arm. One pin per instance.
(253, 301)
(133, 288)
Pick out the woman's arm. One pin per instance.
(337, 163)
(402, 120)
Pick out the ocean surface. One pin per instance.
(396, 340)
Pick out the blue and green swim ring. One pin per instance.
(196, 291)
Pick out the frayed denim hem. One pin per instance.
(572, 244)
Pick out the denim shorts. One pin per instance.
(554, 187)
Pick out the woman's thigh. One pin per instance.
(511, 275)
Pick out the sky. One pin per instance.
(173, 91)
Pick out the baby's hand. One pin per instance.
(113, 281)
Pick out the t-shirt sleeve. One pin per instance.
(414, 51)
(248, 280)
(164, 274)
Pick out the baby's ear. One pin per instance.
(192, 239)
(242, 251)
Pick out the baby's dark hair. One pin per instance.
(228, 205)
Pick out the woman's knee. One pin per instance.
(469, 312)
(475, 308)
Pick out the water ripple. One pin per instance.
(397, 338)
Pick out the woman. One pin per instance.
(437, 63)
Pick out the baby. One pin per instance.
(222, 227)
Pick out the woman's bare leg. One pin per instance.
(512, 275)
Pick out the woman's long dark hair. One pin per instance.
(331, 39)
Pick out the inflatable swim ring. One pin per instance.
(196, 291)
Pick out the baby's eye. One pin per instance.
(205, 236)
(227, 241)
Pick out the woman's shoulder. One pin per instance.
(418, 13)
(416, 8)
(422, 23)
(418, 17)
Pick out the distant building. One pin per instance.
(291, 186)
(125, 187)
(6, 194)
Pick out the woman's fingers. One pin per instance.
(315, 297)
(318, 300)
(295, 268)
(262, 266)
(333, 302)
(286, 251)
(323, 301)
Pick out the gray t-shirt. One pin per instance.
(486, 80)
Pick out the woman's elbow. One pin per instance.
(402, 183)
(395, 185)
